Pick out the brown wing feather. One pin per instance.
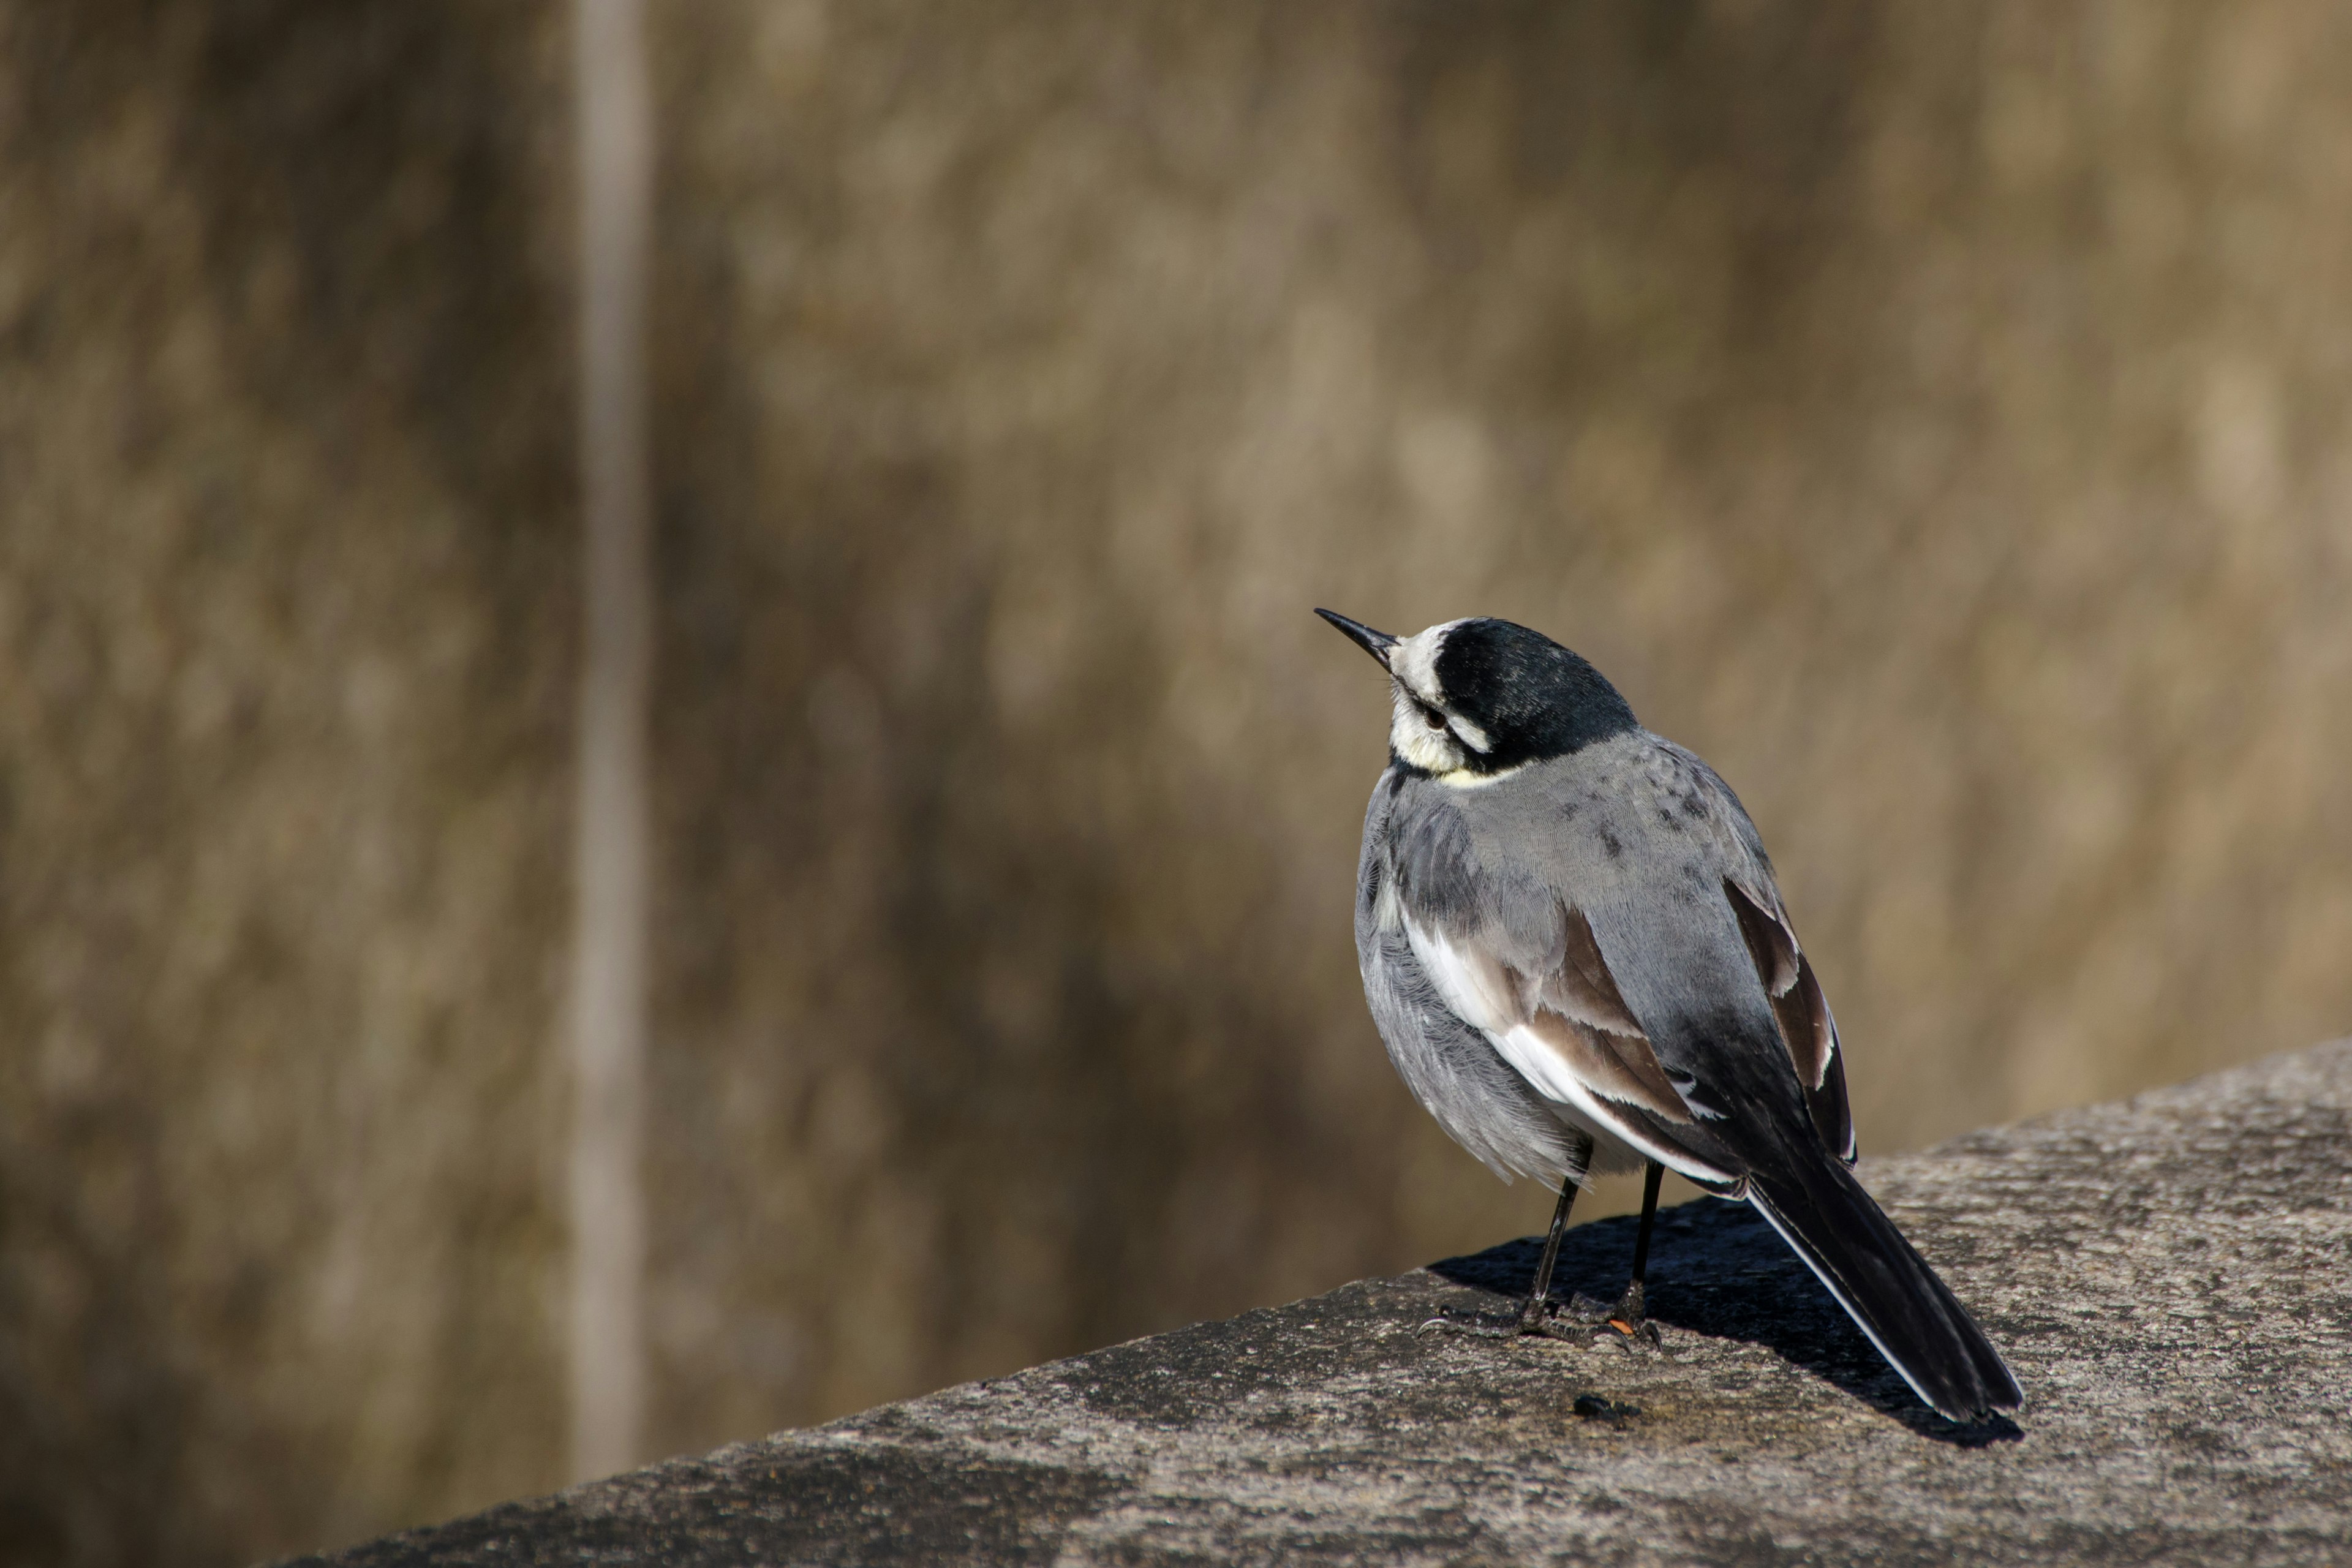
(1616, 1066)
(1584, 1017)
(1826, 1098)
(1803, 1015)
(1769, 942)
(1582, 988)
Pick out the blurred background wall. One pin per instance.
(1934, 416)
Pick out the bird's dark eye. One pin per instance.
(1436, 720)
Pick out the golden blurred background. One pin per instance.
(1936, 416)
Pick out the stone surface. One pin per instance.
(2168, 1276)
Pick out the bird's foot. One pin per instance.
(1537, 1318)
(1472, 1325)
(1627, 1317)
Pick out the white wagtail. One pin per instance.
(1574, 948)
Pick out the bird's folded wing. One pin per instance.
(1563, 1024)
(1570, 1034)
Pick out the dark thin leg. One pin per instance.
(1538, 1303)
(1536, 1314)
(1648, 1219)
(1630, 1316)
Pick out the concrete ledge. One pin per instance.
(2171, 1278)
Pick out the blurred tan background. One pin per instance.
(1937, 417)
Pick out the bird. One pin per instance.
(1575, 950)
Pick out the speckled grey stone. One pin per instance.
(2170, 1276)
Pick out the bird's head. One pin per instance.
(1475, 699)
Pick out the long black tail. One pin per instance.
(1913, 1318)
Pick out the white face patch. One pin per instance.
(1433, 750)
(1440, 748)
(1413, 661)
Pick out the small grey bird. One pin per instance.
(1574, 948)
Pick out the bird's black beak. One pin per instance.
(1377, 643)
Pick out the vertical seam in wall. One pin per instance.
(607, 1000)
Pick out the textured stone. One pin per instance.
(2168, 1275)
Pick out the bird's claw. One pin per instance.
(1536, 1320)
(1475, 1326)
(1628, 1316)
(1580, 1319)
(1644, 1331)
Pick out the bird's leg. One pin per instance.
(1630, 1316)
(1536, 1313)
(1537, 1309)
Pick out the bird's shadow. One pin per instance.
(1717, 1268)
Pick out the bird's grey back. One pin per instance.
(1636, 833)
(1642, 837)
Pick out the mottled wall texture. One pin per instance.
(287, 633)
(1937, 415)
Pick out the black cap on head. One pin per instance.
(1533, 697)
